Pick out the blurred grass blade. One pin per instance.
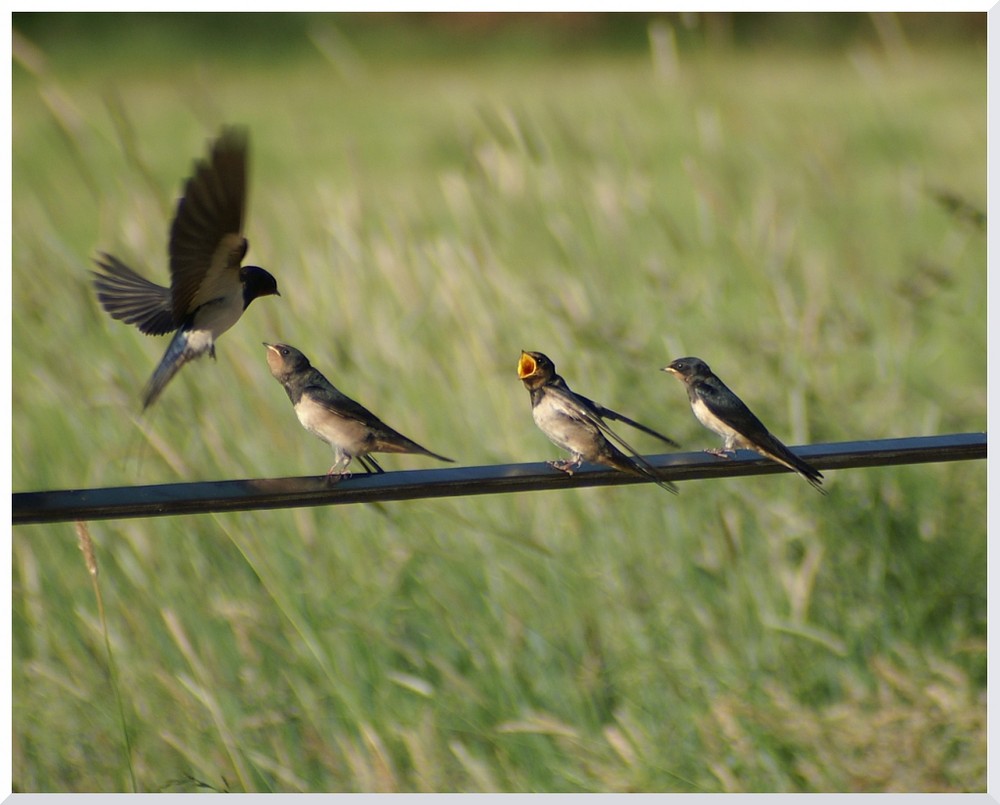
(90, 559)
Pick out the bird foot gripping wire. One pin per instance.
(564, 466)
(335, 476)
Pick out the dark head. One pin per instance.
(256, 282)
(285, 361)
(535, 369)
(688, 369)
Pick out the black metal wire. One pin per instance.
(277, 493)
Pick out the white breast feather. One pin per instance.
(341, 433)
(558, 420)
(712, 422)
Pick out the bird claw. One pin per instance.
(564, 466)
(335, 477)
(721, 452)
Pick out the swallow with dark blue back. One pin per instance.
(576, 424)
(721, 411)
(209, 287)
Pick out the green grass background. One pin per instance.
(431, 201)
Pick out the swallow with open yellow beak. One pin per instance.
(348, 427)
(576, 424)
(719, 410)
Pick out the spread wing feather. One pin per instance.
(130, 297)
(206, 244)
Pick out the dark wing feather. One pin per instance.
(589, 411)
(722, 402)
(325, 394)
(205, 237)
(387, 439)
(133, 299)
(776, 450)
(607, 413)
(730, 409)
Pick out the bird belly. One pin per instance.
(704, 415)
(344, 435)
(197, 342)
(565, 431)
(218, 315)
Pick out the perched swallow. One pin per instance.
(209, 289)
(349, 428)
(577, 425)
(719, 410)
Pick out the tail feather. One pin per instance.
(426, 452)
(392, 442)
(787, 458)
(636, 466)
(177, 354)
(811, 474)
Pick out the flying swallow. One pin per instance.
(209, 288)
(576, 424)
(348, 427)
(719, 410)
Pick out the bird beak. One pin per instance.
(271, 347)
(526, 365)
(669, 369)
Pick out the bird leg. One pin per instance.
(338, 472)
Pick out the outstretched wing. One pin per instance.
(206, 241)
